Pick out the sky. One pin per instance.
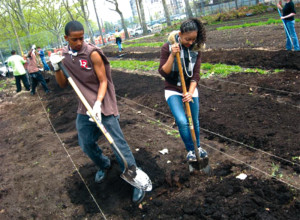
(106, 14)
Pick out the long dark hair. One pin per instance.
(193, 24)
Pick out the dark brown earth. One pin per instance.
(258, 115)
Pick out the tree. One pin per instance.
(138, 11)
(116, 9)
(52, 17)
(167, 14)
(16, 12)
(98, 22)
(140, 8)
(68, 8)
(188, 9)
(84, 13)
(236, 4)
(14, 28)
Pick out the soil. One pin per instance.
(249, 124)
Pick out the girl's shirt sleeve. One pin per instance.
(164, 56)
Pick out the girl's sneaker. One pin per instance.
(191, 156)
(202, 152)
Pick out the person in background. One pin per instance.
(118, 40)
(42, 56)
(288, 18)
(33, 69)
(90, 70)
(16, 62)
(188, 42)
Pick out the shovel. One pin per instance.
(201, 163)
(285, 28)
(133, 175)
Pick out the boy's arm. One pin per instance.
(99, 68)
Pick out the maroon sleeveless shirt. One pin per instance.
(81, 70)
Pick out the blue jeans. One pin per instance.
(290, 25)
(89, 133)
(46, 67)
(177, 108)
(36, 78)
(120, 46)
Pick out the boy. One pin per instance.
(90, 70)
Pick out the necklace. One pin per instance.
(184, 66)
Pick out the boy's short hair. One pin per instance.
(13, 52)
(73, 26)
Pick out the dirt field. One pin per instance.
(249, 124)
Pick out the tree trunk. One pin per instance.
(188, 9)
(98, 22)
(115, 2)
(21, 14)
(66, 4)
(16, 7)
(167, 14)
(236, 4)
(86, 19)
(138, 11)
(144, 26)
(14, 28)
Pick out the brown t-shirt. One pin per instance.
(81, 70)
(164, 55)
(32, 64)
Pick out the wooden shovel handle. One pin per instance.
(187, 106)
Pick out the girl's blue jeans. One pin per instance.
(290, 25)
(177, 108)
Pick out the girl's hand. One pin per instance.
(187, 97)
(175, 49)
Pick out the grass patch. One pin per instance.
(135, 65)
(261, 23)
(173, 133)
(3, 85)
(7, 83)
(207, 69)
(151, 44)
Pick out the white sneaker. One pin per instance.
(191, 156)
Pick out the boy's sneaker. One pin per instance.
(138, 195)
(191, 156)
(101, 174)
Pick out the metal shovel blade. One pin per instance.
(202, 165)
(137, 178)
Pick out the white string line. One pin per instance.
(214, 133)
(243, 84)
(255, 168)
(252, 167)
(145, 106)
(69, 156)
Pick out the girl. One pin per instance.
(188, 42)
